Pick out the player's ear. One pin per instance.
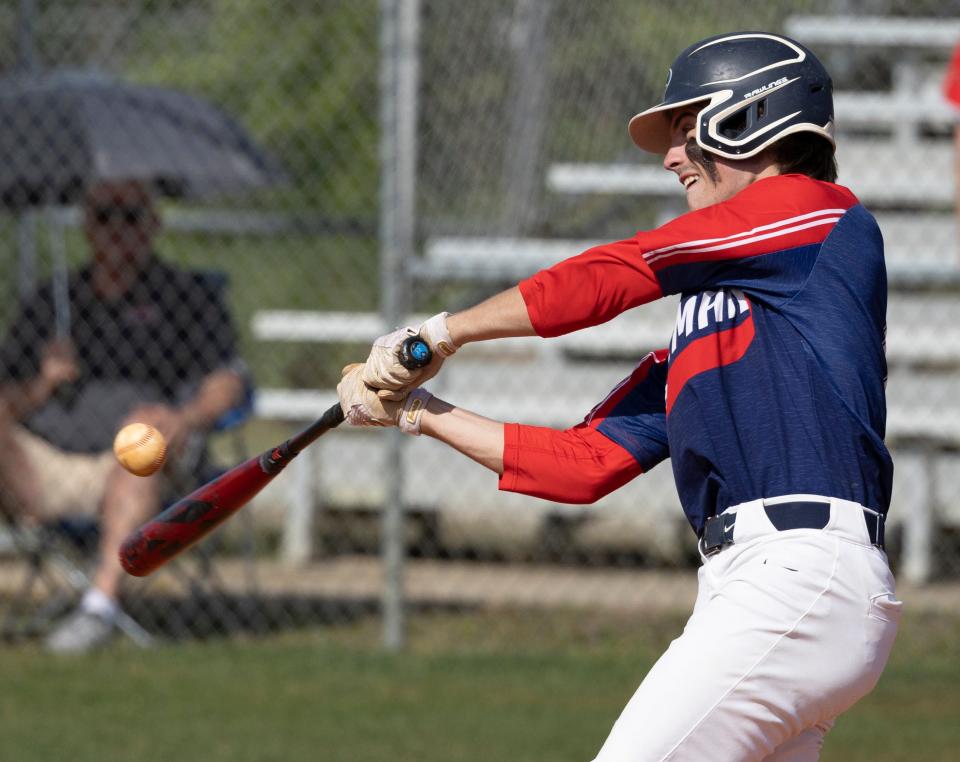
(769, 157)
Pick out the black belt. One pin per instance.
(802, 514)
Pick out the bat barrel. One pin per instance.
(192, 518)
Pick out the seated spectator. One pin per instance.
(147, 342)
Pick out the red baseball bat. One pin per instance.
(196, 515)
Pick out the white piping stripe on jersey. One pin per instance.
(770, 226)
(736, 244)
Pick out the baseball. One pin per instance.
(140, 448)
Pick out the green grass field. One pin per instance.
(471, 687)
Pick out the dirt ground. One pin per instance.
(477, 583)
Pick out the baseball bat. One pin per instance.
(193, 517)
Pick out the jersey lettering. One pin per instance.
(720, 335)
(710, 308)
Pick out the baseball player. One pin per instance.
(768, 399)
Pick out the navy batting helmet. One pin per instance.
(754, 88)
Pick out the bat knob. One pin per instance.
(415, 353)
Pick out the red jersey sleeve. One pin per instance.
(761, 240)
(579, 465)
(589, 289)
(619, 439)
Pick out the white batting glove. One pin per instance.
(362, 407)
(383, 370)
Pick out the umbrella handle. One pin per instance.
(61, 290)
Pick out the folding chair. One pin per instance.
(57, 555)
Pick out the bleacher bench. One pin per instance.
(899, 32)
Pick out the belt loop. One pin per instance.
(876, 527)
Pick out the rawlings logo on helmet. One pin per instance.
(769, 86)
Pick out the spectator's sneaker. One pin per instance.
(81, 632)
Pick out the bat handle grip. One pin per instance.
(414, 353)
(275, 460)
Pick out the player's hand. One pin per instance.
(383, 371)
(361, 404)
(59, 363)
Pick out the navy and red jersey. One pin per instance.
(773, 380)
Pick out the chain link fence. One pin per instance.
(322, 170)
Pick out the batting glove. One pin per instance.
(383, 370)
(363, 407)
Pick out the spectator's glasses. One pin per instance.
(127, 214)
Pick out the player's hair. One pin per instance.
(806, 153)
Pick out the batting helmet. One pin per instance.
(755, 89)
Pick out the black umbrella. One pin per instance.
(61, 131)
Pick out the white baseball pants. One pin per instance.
(790, 629)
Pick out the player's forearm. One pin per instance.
(479, 438)
(502, 315)
(220, 391)
(577, 465)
